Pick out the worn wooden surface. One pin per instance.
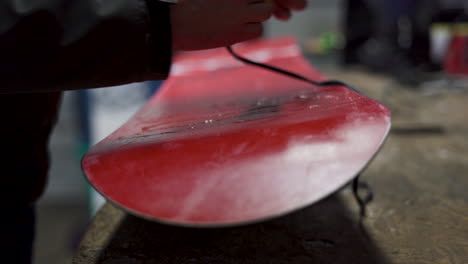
(419, 213)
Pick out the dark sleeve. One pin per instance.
(50, 45)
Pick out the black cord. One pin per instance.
(288, 73)
(362, 202)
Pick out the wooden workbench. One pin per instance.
(419, 213)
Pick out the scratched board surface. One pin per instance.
(224, 143)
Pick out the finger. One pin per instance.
(245, 32)
(280, 12)
(252, 31)
(259, 12)
(293, 4)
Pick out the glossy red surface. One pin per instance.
(456, 61)
(224, 143)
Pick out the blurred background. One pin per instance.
(414, 44)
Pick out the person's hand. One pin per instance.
(204, 24)
(282, 8)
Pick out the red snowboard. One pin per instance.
(224, 143)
